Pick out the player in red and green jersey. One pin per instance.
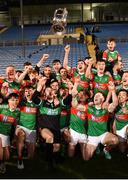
(110, 55)
(97, 124)
(65, 108)
(100, 81)
(56, 64)
(9, 84)
(64, 79)
(65, 101)
(77, 127)
(9, 116)
(120, 126)
(26, 128)
(124, 82)
(78, 72)
(117, 73)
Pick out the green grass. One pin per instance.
(97, 167)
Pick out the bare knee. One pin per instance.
(66, 135)
(56, 147)
(47, 135)
(115, 140)
(21, 135)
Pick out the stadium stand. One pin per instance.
(13, 55)
(33, 53)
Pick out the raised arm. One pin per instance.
(36, 96)
(65, 61)
(41, 62)
(74, 95)
(113, 105)
(25, 72)
(116, 76)
(74, 89)
(88, 72)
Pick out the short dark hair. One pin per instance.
(47, 66)
(53, 80)
(15, 95)
(112, 39)
(100, 60)
(55, 61)
(27, 63)
(122, 90)
(62, 68)
(19, 71)
(80, 60)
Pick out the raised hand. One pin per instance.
(111, 86)
(41, 83)
(42, 80)
(89, 61)
(45, 57)
(28, 68)
(5, 84)
(42, 60)
(56, 101)
(67, 48)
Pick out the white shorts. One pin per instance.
(5, 140)
(95, 140)
(77, 137)
(122, 133)
(30, 134)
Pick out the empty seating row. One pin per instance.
(14, 55)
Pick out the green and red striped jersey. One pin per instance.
(121, 118)
(97, 121)
(77, 120)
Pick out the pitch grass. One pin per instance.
(98, 167)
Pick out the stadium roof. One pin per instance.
(28, 2)
(5, 4)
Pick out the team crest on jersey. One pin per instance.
(93, 118)
(27, 109)
(97, 85)
(100, 86)
(78, 113)
(5, 118)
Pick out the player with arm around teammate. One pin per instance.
(77, 129)
(98, 118)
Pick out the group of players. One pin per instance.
(60, 105)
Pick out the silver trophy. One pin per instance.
(59, 21)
